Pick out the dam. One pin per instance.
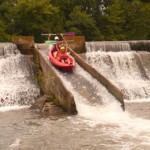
(81, 79)
(100, 122)
(115, 66)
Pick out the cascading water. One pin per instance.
(7, 49)
(96, 127)
(86, 89)
(107, 46)
(16, 77)
(117, 126)
(129, 70)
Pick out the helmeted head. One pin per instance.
(56, 38)
(62, 48)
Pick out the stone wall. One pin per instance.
(24, 43)
(77, 43)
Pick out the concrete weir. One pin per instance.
(53, 84)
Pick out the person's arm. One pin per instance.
(64, 39)
(55, 54)
(49, 35)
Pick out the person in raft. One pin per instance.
(56, 39)
(62, 46)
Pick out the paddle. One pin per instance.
(54, 42)
(66, 33)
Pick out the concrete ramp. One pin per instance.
(83, 85)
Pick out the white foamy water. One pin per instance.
(9, 108)
(18, 86)
(16, 143)
(110, 118)
(131, 132)
(97, 88)
(107, 46)
(7, 49)
(100, 127)
(127, 70)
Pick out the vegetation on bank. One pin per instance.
(95, 19)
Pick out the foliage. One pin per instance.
(29, 17)
(114, 19)
(83, 24)
(137, 20)
(3, 34)
(95, 19)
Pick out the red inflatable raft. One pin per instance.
(59, 57)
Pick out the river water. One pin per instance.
(96, 127)
(106, 128)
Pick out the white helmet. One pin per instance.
(56, 38)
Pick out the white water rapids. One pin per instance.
(124, 70)
(96, 127)
(129, 70)
(16, 78)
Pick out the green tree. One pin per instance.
(4, 36)
(83, 24)
(77, 17)
(137, 20)
(30, 17)
(95, 19)
(113, 20)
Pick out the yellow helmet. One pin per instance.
(62, 48)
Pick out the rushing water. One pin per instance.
(129, 70)
(18, 86)
(107, 46)
(96, 127)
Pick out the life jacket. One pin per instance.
(61, 53)
(61, 50)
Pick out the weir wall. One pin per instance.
(52, 82)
